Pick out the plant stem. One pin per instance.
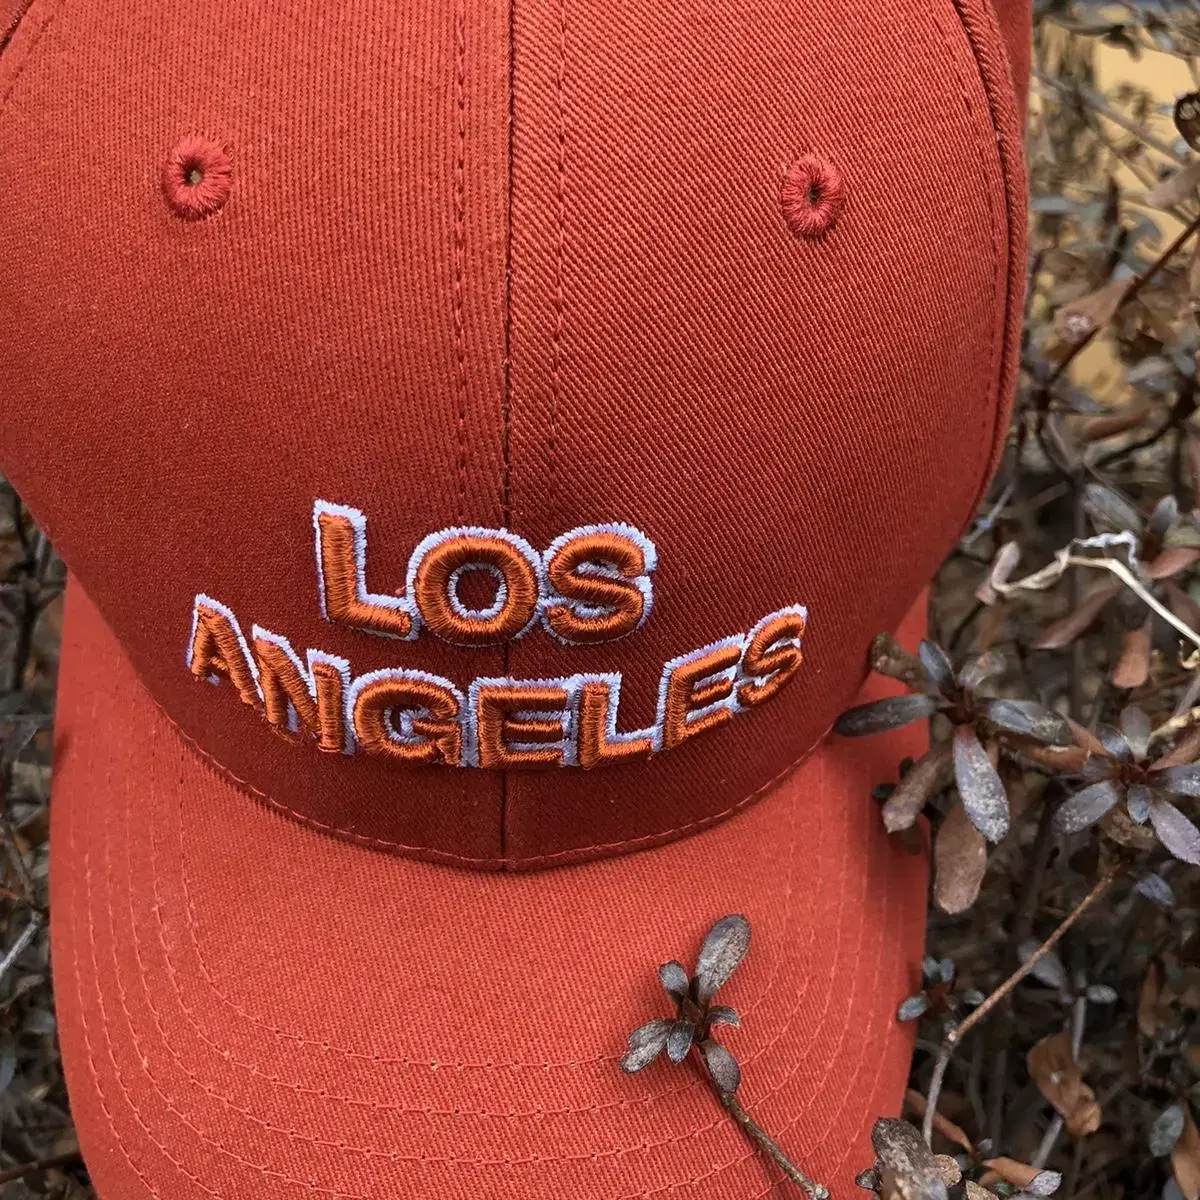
(42, 1164)
(766, 1144)
(1137, 285)
(956, 1033)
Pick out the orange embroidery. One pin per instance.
(341, 558)
(596, 745)
(773, 655)
(506, 736)
(434, 585)
(286, 692)
(616, 602)
(217, 648)
(689, 687)
(427, 708)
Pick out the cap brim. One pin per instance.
(252, 1010)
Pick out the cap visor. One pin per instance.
(253, 1010)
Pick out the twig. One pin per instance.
(956, 1033)
(1099, 105)
(753, 1130)
(1050, 574)
(42, 1164)
(22, 942)
(1139, 282)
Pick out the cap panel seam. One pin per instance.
(995, 363)
(460, 172)
(31, 14)
(979, 27)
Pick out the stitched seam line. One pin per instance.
(29, 50)
(374, 1152)
(460, 173)
(506, 391)
(982, 147)
(14, 21)
(559, 248)
(266, 1172)
(1001, 144)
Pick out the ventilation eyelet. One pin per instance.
(813, 196)
(196, 177)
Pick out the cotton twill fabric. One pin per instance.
(253, 1010)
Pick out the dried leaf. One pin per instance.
(937, 666)
(912, 1007)
(1185, 1158)
(1049, 968)
(900, 1149)
(1133, 662)
(1138, 799)
(948, 1169)
(1063, 632)
(1184, 780)
(1166, 1130)
(679, 1041)
(1078, 319)
(1086, 807)
(980, 669)
(1022, 1175)
(1109, 511)
(724, 947)
(975, 1192)
(722, 1014)
(1164, 514)
(1156, 889)
(979, 785)
(674, 978)
(947, 1128)
(1095, 429)
(1086, 740)
(1147, 1009)
(646, 1043)
(1176, 188)
(1171, 561)
(879, 716)
(1114, 742)
(1135, 728)
(722, 1066)
(1186, 750)
(888, 657)
(1029, 719)
(1176, 832)
(929, 773)
(960, 860)
(1060, 1081)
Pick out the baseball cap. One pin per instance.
(485, 438)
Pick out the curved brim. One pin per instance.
(252, 1010)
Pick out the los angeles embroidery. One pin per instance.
(591, 585)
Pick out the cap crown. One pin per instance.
(529, 296)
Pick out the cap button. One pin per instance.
(196, 177)
(813, 196)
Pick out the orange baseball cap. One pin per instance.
(485, 438)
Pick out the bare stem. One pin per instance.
(1137, 285)
(767, 1145)
(19, 946)
(956, 1033)
(42, 1164)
